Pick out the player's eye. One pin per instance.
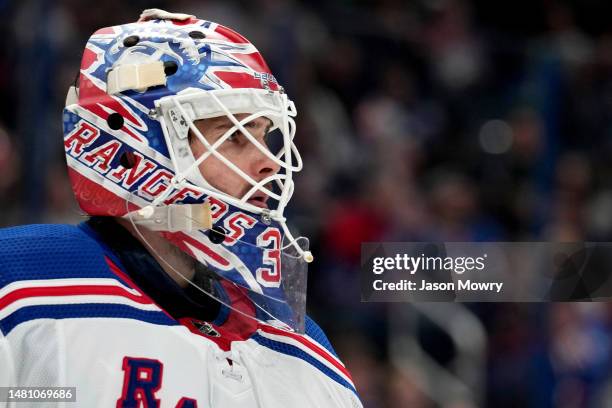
(238, 136)
(234, 136)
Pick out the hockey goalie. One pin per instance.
(184, 287)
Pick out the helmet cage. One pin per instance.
(177, 114)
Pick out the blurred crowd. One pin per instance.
(443, 120)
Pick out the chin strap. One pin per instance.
(173, 217)
(192, 217)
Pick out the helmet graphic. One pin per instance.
(128, 134)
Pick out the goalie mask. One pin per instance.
(129, 132)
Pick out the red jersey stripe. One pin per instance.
(318, 350)
(76, 290)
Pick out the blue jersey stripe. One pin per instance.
(294, 351)
(85, 310)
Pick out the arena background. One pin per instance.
(424, 120)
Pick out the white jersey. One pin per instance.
(91, 329)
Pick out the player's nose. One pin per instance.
(263, 165)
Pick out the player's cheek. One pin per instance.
(238, 154)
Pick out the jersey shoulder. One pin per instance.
(62, 272)
(47, 251)
(312, 347)
(314, 331)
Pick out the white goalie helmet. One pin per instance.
(130, 128)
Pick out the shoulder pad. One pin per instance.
(33, 252)
(315, 332)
